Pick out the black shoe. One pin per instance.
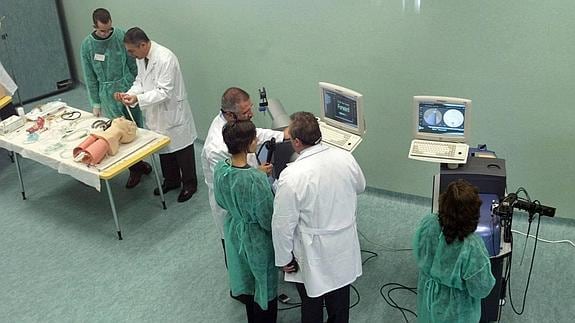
(186, 194)
(244, 299)
(142, 168)
(134, 179)
(146, 168)
(165, 189)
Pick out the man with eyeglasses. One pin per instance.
(109, 69)
(235, 106)
(160, 91)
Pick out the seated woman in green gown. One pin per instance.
(454, 268)
(247, 196)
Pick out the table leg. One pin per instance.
(155, 167)
(17, 162)
(113, 209)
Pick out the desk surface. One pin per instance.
(5, 100)
(52, 150)
(140, 154)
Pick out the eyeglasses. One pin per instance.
(245, 115)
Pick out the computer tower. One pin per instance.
(488, 174)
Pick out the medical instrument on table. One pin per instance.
(75, 135)
(130, 113)
(101, 124)
(46, 109)
(11, 124)
(71, 115)
(53, 148)
(37, 126)
(31, 138)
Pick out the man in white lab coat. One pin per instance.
(160, 91)
(7, 87)
(235, 105)
(313, 226)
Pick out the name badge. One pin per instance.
(99, 57)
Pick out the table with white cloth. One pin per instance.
(54, 146)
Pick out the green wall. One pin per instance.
(514, 59)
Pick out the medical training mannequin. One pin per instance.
(245, 193)
(102, 143)
(454, 268)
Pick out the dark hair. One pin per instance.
(238, 135)
(135, 36)
(304, 126)
(459, 210)
(102, 15)
(232, 98)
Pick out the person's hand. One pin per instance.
(118, 96)
(129, 99)
(266, 168)
(292, 267)
(97, 112)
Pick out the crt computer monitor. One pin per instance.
(441, 118)
(342, 108)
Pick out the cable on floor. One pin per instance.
(389, 300)
(382, 246)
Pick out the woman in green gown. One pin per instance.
(454, 268)
(247, 196)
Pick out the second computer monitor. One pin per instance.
(441, 118)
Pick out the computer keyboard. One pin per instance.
(334, 137)
(441, 152)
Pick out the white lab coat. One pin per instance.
(7, 82)
(314, 218)
(214, 150)
(163, 99)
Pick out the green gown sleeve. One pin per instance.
(90, 77)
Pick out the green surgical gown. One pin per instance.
(107, 69)
(246, 194)
(453, 278)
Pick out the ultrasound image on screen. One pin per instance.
(340, 108)
(438, 118)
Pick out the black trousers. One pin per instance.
(138, 167)
(256, 314)
(8, 111)
(179, 167)
(336, 303)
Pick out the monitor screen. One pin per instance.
(441, 118)
(342, 108)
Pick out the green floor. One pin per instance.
(60, 259)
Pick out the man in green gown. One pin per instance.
(108, 69)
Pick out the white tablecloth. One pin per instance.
(55, 150)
